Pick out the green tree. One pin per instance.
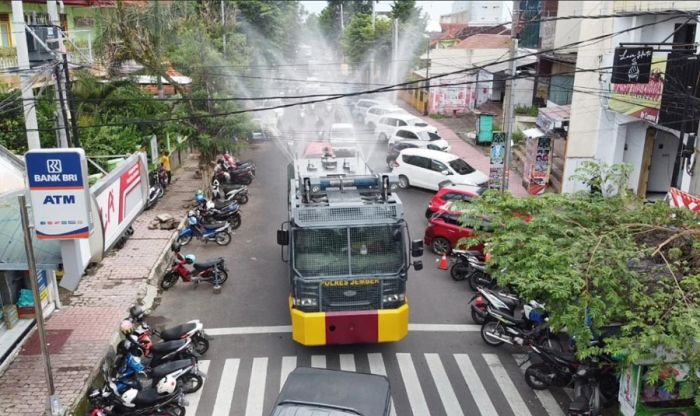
(403, 9)
(330, 17)
(359, 39)
(596, 261)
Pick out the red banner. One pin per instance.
(682, 199)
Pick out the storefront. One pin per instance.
(16, 301)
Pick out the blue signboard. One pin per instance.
(59, 193)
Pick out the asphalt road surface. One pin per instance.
(442, 367)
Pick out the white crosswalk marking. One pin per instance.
(193, 399)
(376, 366)
(475, 386)
(413, 389)
(545, 396)
(256, 391)
(318, 361)
(444, 388)
(347, 362)
(515, 401)
(227, 383)
(289, 363)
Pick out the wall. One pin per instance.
(654, 5)
(522, 91)
(567, 31)
(453, 99)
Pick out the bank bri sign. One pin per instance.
(59, 193)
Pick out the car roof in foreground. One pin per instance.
(433, 154)
(367, 394)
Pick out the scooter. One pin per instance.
(107, 401)
(218, 232)
(228, 193)
(471, 265)
(155, 191)
(515, 327)
(160, 353)
(193, 330)
(213, 271)
(502, 299)
(185, 372)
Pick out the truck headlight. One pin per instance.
(393, 298)
(305, 302)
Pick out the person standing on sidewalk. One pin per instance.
(165, 162)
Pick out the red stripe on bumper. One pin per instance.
(352, 327)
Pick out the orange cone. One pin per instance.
(443, 262)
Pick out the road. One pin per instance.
(442, 367)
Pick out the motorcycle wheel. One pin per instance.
(235, 222)
(223, 239)
(478, 319)
(191, 382)
(201, 344)
(242, 199)
(532, 373)
(223, 276)
(492, 327)
(459, 271)
(184, 240)
(168, 281)
(247, 180)
(172, 410)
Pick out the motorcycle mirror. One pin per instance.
(416, 248)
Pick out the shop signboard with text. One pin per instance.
(121, 196)
(642, 101)
(59, 193)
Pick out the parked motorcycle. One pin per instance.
(213, 271)
(471, 265)
(502, 299)
(228, 193)
(155, 191)
(241, 175)
(164, 399)
(193, 330)
(515, 327)
(162, 352)
(554, 369)
(218, 232)
(186, 372)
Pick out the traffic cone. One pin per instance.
(443, 262)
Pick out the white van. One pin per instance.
(375, 112)
(429, 169)
(390, 122)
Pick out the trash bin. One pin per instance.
(484, 128)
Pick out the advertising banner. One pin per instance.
(121, 196)
(641, 100)
(685, 200)
(629, 390)
(59, 193)
(537, 164)
(631, 65)
(498, 152)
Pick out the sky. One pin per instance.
(433, 8)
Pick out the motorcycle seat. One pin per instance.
(174, 333)
(221, 204)
(163, 348)
(215, 225)
(163, 370)
(517, 317)
(579, 405)
(148, 397)
(206, 264)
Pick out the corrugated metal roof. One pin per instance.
(12, 254)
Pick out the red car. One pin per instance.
(445, 230)
(449, 194)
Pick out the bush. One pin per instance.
(525, 110)
(518, 137)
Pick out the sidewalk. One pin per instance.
(475, 156)
(82, 331)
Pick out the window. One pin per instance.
(422, 162)
(401, 123)
(437, 166)
(461, 167)
(684, 35)
(5, 39)
(406, 135)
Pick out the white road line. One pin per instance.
(347, 362)
(475, 386)
(193, 399)
(444, 387)
(289, 363)
(253, 330)
(545, 396)
(256, 392)
(376, 366)
(318, 361)
(410, 380)
(515, 401)
(227, 383)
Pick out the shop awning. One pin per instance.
(12, 254)
(533, 133)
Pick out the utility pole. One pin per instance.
(395, 57)
(19, 34)
(71, 104)
(508, 118)
(371, 58)
(427, 81)
(223, 25)
(342, 19)
(694, 188)
(61, 116)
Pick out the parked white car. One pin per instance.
(421, 136)
(374, 113)
(429, 169)
(359, 109)
(387, 124)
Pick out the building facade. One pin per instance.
(649, 125)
